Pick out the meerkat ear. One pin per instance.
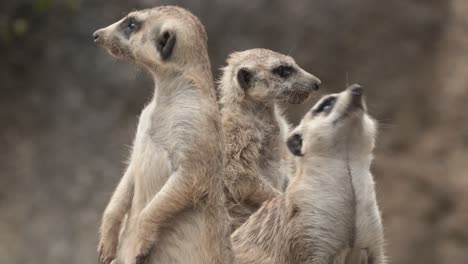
(165, 44)
(295, 144)
(244, 77)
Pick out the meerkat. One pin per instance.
(329, 212)
(171, 194)
(252, 84)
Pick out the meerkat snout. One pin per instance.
(96, 36)
(317, 86)
(356, 90)
(315, 82)
(357, 94)
(302, 88)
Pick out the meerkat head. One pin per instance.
(261, 75)
(161, 38)
(337, 124)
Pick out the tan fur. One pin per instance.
(171, 193)
(328, 213)
(255, 129)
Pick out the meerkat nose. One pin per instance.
(356, 90)
(317, 86)
(96, 36)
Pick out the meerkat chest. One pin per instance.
(368, 221)
(161, 138)
(168, 124)
(151, 161)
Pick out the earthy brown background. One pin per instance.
(68, 111)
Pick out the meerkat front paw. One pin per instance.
(141, 259)
(106, 252)
(142, 255)
(146, 240)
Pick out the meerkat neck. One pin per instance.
(261, 111)
(167, 86)
(264, 115)
(174, 81)
(315, 167)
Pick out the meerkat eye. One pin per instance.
(326, 106)
(129, 26)
(283, 71)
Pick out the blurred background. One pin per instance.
(68, 111)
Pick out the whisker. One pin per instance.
(347, 79)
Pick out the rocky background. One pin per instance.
(68, 111)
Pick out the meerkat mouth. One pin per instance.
(114, 47)
(115, 51)
(119, 52)
(298, 97)
(111, 46)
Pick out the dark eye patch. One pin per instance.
(326, 106)
(130, 26)
(284, 71)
